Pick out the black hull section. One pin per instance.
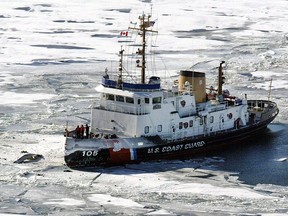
(174, 150)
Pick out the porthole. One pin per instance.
(191, 123)
(211, 119)
(146, 129)
(185, 124)
(201, 121)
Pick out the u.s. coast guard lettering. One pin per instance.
(194, 145)
(174, 148)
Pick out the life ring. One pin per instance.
(230, 115)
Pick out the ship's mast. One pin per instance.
(120, 69)
(145, 24)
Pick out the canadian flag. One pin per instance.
(124, 33)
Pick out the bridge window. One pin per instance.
(156, 100)
(119, 98)
(129, 100)
(147, 101)
(110, 97)
(180, 125)
(159, 128)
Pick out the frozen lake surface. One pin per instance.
(52, 56)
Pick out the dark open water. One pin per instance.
(258, 161)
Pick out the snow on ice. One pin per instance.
(52, 56)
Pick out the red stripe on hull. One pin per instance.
(121, 156)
